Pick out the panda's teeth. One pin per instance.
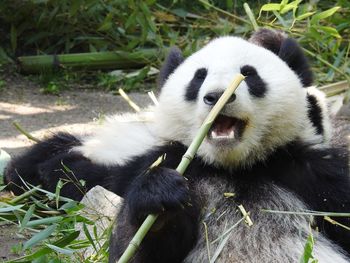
(231, 135)
(214, 135)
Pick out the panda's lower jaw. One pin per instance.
(226, 129)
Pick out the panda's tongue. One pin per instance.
(223, 128)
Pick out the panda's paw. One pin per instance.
(161, 190)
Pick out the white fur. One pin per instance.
(120, 138)
(272, 121)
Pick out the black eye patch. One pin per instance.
(195, 84)
(256, 85)
(315, 113)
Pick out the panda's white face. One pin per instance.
(269, 110)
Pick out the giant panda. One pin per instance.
(269, 149)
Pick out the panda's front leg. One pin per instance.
(160, 191)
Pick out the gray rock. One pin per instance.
(101, 207)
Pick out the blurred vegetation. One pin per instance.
(33, 27)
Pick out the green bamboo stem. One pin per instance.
(93, 60)
(24, 132)
(251, 16)
(335, 88)
(23, 196)
(181, 168)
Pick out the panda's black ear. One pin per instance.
(172, 61)
(287, 49)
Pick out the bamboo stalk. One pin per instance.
(24, 132)
(335, 88)
(251, 16)
(181, 168)
(332, 221)
(128, 100)
(23, 196)
(93, 60)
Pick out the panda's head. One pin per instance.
(271, 107)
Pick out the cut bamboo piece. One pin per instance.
(94, 60)
(335, 88)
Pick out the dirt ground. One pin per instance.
(41, 114)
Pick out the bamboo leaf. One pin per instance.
(9, 208)
(64, 251)
(107, 23)
(322, 15)
(148, 16)
(251, 16)
(304, 16)
(293, 5)
(180, 12)
(307, 255)
(66, 240)
(39, 237)
(27, 216)
(270, 7)
(284, 2)
(330, 31)
(45, 221)
(88, 236)
(58, 190)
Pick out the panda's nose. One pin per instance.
(212, 97)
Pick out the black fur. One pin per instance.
(315, 113)
(163, 191)
(319, 177)
(166, 190)
(48, 161)
(287, 49)
(294, 56)
(27, 164)
(256, 85)
(173, 60)
(195, 84)
(269, 39)
(212, 97)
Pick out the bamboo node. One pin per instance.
(188, 157)
(135, 244)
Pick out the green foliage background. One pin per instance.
(30, 27)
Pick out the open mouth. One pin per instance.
(226, 128)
